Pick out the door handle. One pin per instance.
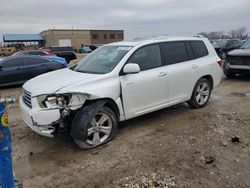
(162, 74)
(195, 66)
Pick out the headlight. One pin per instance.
(54, 101)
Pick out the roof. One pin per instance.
(22, 37)
(154, 40)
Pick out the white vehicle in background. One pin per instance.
(117, 82)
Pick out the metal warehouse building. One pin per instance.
(78, 37)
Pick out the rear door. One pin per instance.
(147, 90)
(34, 66)
(11, 71)
(180, 68)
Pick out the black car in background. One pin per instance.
(18, 69)
(223, 46)
(87, 49)
(238, 61)
(67, 52)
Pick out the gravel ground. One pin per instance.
(174, 147)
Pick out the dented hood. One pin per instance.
(52, 82)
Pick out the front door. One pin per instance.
(147, 90)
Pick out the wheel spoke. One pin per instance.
(96, 138)
(90, 130)
(203, 87)
(205, 93)
(105, 130)
(198, 97)
(93, 122)
(102, 120)
(202, 100)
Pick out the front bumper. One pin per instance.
(240, 69)
(39, 120)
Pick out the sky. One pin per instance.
(138, 18)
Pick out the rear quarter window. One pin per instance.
(199, 49)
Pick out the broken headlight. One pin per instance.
(53, 101)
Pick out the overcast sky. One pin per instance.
(138, 18)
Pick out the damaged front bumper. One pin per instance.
(40, 120)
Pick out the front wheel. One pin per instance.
(101, 128)
(201, 93)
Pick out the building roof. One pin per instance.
(51, 30)
(22, 37)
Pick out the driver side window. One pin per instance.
(148, 57)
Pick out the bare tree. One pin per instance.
(239, 33)
(213, 34)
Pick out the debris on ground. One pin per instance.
(209, 159)
(235, 139)
(144, 180)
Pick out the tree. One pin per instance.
(239, 33)
(213, 34)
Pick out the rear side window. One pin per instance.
(148, 57)
(37, 53)
(199, 49)
(174, 52)
(34, 61)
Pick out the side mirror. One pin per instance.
(131, 68)
(1, 68)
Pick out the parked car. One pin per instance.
(118, 82)
(66, 52)
(58, 59)
(35, 52)
(87, 49)
(238, 61)
(223, 46)
(18, 69)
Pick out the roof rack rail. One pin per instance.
(150, 38)
(199, 36)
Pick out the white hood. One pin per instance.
(52, 82)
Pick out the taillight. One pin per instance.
(219, 61)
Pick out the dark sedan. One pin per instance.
(18, 69)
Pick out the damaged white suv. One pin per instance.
(117, 82)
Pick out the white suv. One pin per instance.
(117, 82)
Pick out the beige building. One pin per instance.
(78, 37)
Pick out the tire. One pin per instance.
(201, 93)
(97, 133)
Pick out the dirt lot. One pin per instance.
(176, 147)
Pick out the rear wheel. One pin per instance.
(201, 93)
(101, 128)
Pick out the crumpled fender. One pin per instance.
(82, 119)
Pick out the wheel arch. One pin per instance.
(210, 78)
(109, 103)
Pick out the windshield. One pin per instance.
(103, 60)
(246, 45)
